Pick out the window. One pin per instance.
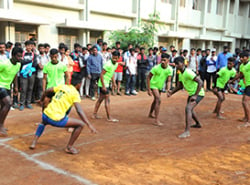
(182, 3)
(68, 37)
(166, 1)
(242, 8)
(231, 9)
(209, 5)
(219, 7)
(24, 32)
(196, 5)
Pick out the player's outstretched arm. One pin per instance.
(84, 117)
(176, 89)
(148, 83)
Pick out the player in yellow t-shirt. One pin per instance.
(55, 113)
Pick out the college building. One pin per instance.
(183, 23)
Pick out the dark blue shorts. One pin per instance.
(61, 123)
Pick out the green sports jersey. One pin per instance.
(224, 75)
(245, 69)
(187, 79)
(8, 72)
(159, 76)
(55, 74)
(110, 68)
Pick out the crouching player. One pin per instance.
(193, 85)
(223, 77)
(55, 113)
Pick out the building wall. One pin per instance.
(209, 24)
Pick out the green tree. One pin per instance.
(142, 35)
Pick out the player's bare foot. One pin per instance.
(220, 117)
(95, 116)
(184, 134)
(33, 145)
(243, 119)
(196, 126)
(3, 132)
(158, 123)
(71, 150)
(113, 120)
(151, 116)
(247, 124)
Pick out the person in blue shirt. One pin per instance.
(222, 58)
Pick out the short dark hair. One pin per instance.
(28, 42)
(76, 45)
(99, 40)
(155, 48)
(76, 79)
(105, 43)
(185, 51)
(89, 44)
(61, 46)
(244, 54)
(8, 45)
(117, 42)
(165, 55)
(142, 48)
(231, 59)
(178, 60)
(116, 53)
(131, 49)
(84, 48)
(94, 47)
(16, 50)
(46, 45)
(53, 51)
(174, 51)
(18, 44)
(199, 49)
(2, 43)
(150, 49)
(41, 45)
(192, 49)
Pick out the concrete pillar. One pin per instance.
(87, 37)
(226, 14)
(81, 36)
(175, 14)
(203, 47)
(236, 13)
(186, 44)
(48, 31)
(246, 18)
(204, 17)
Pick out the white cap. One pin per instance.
(213, 50)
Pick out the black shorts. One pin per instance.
(104, 92)
(221, 89)
(198, 99)
(247, 91)
(4, 92)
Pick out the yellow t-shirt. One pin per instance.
(65, 96)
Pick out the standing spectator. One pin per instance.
(171, 49)
(27, 75)
(55, 72)
(172, 65)
(126, 55)
(75, 55)
(237, 59)
(142, 64)
(89, 46)
(85, 79)
(118, 73)
(203, 66)
(131, 65)
(47, 48)
(8, 49)
(42, 59)
(105, 55)
(99, 45)
(118, 45)
(199, 56)
(222, 58)
(193, 61)
(61, 55)
(70, 63)
(3, 55)
(94, 69)
(151, 58)
(155, 51)
(211, 69)
(185, 56)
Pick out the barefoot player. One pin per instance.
(245, 74)
(223, 76)
(103, 84)
(55, 114)
(193, 85)
(155, 81)
(8, 73)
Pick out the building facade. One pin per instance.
(183, 23)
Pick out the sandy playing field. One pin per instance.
(133, 151)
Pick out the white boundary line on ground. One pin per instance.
(47, 166)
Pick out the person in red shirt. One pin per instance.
(118, 73)
(75, 55)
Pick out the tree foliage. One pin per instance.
(142, 35)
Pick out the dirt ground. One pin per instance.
(133, 151)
